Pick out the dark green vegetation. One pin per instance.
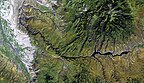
(86, 41)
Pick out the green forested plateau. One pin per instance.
(86, 41)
